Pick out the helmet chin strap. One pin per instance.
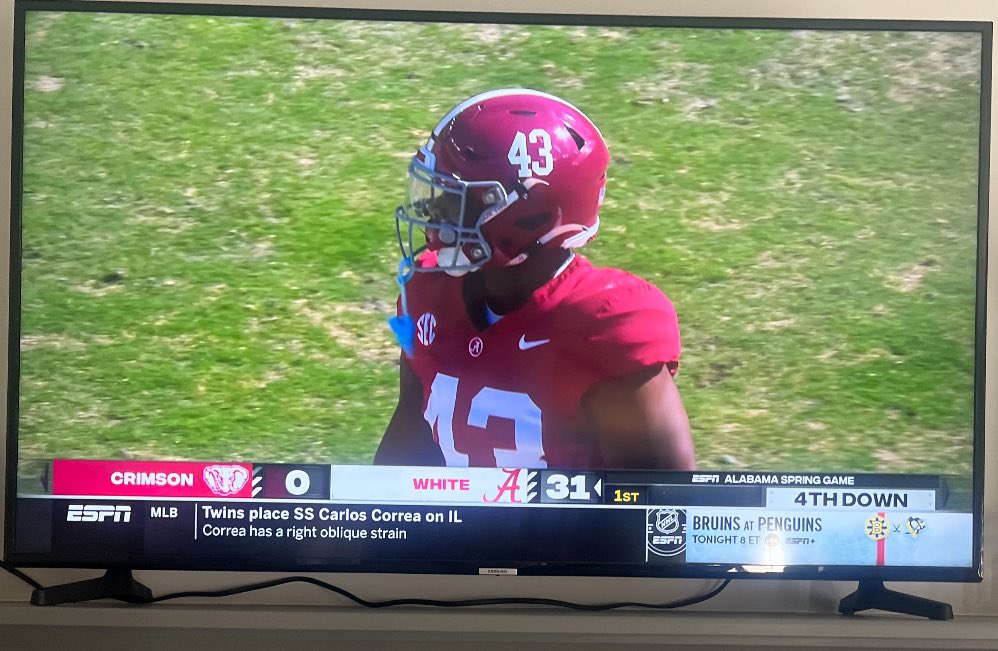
(453, 256)
(581, 237)
(520, 259)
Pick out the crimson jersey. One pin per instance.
(510, 395)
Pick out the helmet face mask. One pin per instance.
(503, 171)
(445, 214)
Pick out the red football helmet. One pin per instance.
(502, 171)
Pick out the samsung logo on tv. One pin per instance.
(98, 513)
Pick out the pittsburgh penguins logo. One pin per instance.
(915, 526)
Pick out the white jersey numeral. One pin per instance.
(440, 415)
(528, 450)
(528, 446)
(519, 155)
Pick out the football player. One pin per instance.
(518, 352)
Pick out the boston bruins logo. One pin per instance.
(877, 527)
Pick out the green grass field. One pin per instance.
(208, 242)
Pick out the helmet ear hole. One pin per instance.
(533, 222)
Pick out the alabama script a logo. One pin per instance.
(511, 489)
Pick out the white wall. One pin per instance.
(746, 596)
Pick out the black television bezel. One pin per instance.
(718, 571)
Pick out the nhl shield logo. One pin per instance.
(426, 329)
(666, 532)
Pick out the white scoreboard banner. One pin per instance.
(420, 485)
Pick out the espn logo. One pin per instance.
(706, 479)
(98, 513)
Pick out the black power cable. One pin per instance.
(21, 575)
(458, 603)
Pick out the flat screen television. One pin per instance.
(444, 292)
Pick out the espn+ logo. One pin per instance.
(98, 513)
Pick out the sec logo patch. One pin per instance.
(426, 329)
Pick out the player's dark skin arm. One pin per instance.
(640, 422)
(408, 440)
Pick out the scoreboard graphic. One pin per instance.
(634, 517)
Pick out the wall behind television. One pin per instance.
(742, 596)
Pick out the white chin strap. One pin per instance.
(582, 235)
(452, 256)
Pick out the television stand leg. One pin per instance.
(873, 594)
(115, 584)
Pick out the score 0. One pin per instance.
(285, 481)
(297, 483)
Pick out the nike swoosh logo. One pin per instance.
(527, 345)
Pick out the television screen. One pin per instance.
(465, 293)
